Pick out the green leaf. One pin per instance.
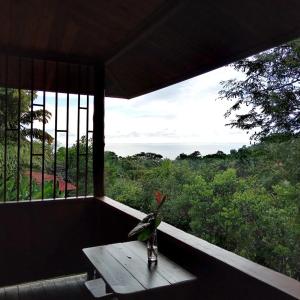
(157, 221)
(138, 228)
(145, 234)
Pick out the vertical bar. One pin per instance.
(5, 129)
(87, 135)
(19, 129)
(44, 119)
(67, 132)
(78, 128)
(31, 129)
(55, 131)
(98, 131)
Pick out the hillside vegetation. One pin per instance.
(246, 202)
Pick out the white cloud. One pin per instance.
(188, 112)
(62, 116)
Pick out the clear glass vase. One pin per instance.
(152, 248)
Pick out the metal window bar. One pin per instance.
(5, 129)
(19, 129)
(87, 136)
(31, 65)
(78, 129)
(67, 133)
(55, 131)
(44, 120)
(31, 129)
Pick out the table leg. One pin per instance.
(92, 274)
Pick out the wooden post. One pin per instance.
(98, 131)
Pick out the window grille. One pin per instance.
(31, 163)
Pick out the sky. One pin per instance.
(185, 113)
(62, 116)
(188, 112)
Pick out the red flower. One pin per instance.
(158, 197)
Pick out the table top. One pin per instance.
(124, 267)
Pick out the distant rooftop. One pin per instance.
(37, 177)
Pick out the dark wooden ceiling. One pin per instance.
(146, 45)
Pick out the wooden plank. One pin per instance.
(118, 278)
(85, 294)
(37, 291)
(67, 288)
(97, 288)
(25, 292)
(11, 293)
(165, 267)
(64, 288)
(77, 289)
(2, 294)
(71, 287)
(137, 266)
(49, 289)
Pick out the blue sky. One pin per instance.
(187, 113)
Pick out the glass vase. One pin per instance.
(152, 248)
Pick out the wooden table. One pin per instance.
(124, 267)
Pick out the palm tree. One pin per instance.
(15, 109)
(14, 98)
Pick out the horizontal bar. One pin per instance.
(61, 130)
(37, 104)
(90, 131)
(82, 107)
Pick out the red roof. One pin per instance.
(37, 177)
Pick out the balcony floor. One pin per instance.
(71, 287)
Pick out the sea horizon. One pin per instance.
(170, 150)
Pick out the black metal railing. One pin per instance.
(31, 158)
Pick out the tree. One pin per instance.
(219, 155)
(147, 155)
(26, 115)
(15, 108)
(85, 165)
(193, 156)
(271, 90)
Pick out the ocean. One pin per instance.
(169, 150)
